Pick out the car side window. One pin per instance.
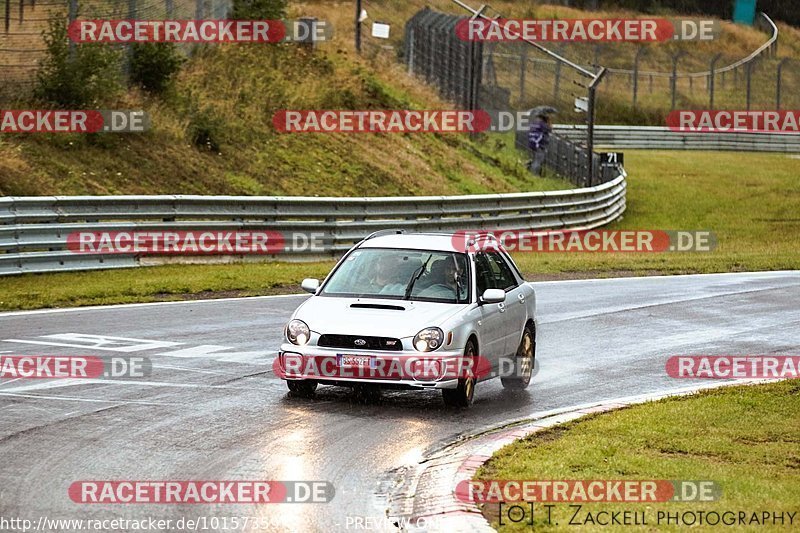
(502, 275)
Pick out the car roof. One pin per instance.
(444, 242)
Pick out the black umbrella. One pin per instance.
(543, 110)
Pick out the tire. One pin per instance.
(462, 395)
(523, 362)
(302, 388)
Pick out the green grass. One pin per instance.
(750, 201)
(755, 216)
(756, 464)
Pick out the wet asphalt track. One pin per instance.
(213, 410)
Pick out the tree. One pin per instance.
(258, 9)
(78, 75)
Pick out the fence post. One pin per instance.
(590, 125)
(21, 11)
(674, 78)
(711, 80)
(639, 52)
(557, 81)
(72, 15)
(8, 14)
(169, 8)
(778, 83)
(410, 50)
(126, 68)
(523, 65)
(358, 26)
(597, 49)
(749, 73)
(198, 9)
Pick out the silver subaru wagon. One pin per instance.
(413, 311)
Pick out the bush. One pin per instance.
(206, 130)
(154, 65)
(258, 9)
(82, 77)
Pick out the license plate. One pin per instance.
(355, 361)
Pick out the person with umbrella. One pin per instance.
(539, 136)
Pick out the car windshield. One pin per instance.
(401, 275)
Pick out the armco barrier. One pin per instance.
(662, 138)
(34, 230)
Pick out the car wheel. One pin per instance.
(462, 395)
(302, 387)
(523, 362)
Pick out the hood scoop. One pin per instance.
(378, 306)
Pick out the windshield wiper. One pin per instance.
(415, 276)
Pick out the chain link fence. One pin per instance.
(25, 22)
(506, 76)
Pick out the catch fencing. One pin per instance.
(34, 231)
(25, 22)
(467, 73)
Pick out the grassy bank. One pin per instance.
(755, 464)
(754, 216)
(213, 134)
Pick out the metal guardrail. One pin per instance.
(662, 138)
(34, 230)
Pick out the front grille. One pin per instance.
(370, 343)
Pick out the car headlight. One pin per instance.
(428, 339)
(297, 332)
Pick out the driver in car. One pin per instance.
(385, 279)
(442, 274)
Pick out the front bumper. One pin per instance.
(392, 369)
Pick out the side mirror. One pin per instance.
(310, 285)
(493, 296)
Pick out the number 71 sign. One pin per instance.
(612, 158)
